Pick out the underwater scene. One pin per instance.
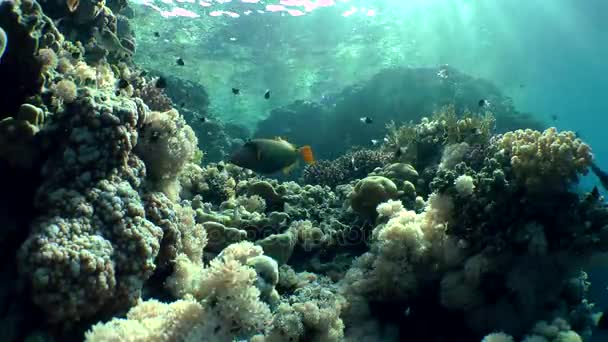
(303, 170)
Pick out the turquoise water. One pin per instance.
(136, 164)
(548, 56)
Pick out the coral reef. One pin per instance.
(79, 256)
(369, 192)
(339, 128)
(543, 160)
(166, 144)
(123, 230)
(348, 167)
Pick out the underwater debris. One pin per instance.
(366, 120)
(270, 155)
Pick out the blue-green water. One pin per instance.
(420, 219)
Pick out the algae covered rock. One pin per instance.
(267, 271)
(278, 246)
(369, 192)
(221, 236)
(401, 171)
(266, 191)
(17, 136)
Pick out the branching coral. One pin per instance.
(420, 144)
(543, 160)
(351, 166)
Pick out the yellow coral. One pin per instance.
(546, 158)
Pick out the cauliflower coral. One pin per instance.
(546, 158)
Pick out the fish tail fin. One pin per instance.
(306, 152)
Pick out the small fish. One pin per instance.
(366, 120)
(522, 86)
(267, 94)
(156, 34)
(554, 117)
(443, 73)
(408, 311)
(143, 73)
(352, 163)
(203, 119)
(374, 142)
(76, 54)
(122, 84)
(73, 5)
(179, 61)
(182, 105)
(483, 103)
(268, 156)
(236, 91)
(161, 82)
